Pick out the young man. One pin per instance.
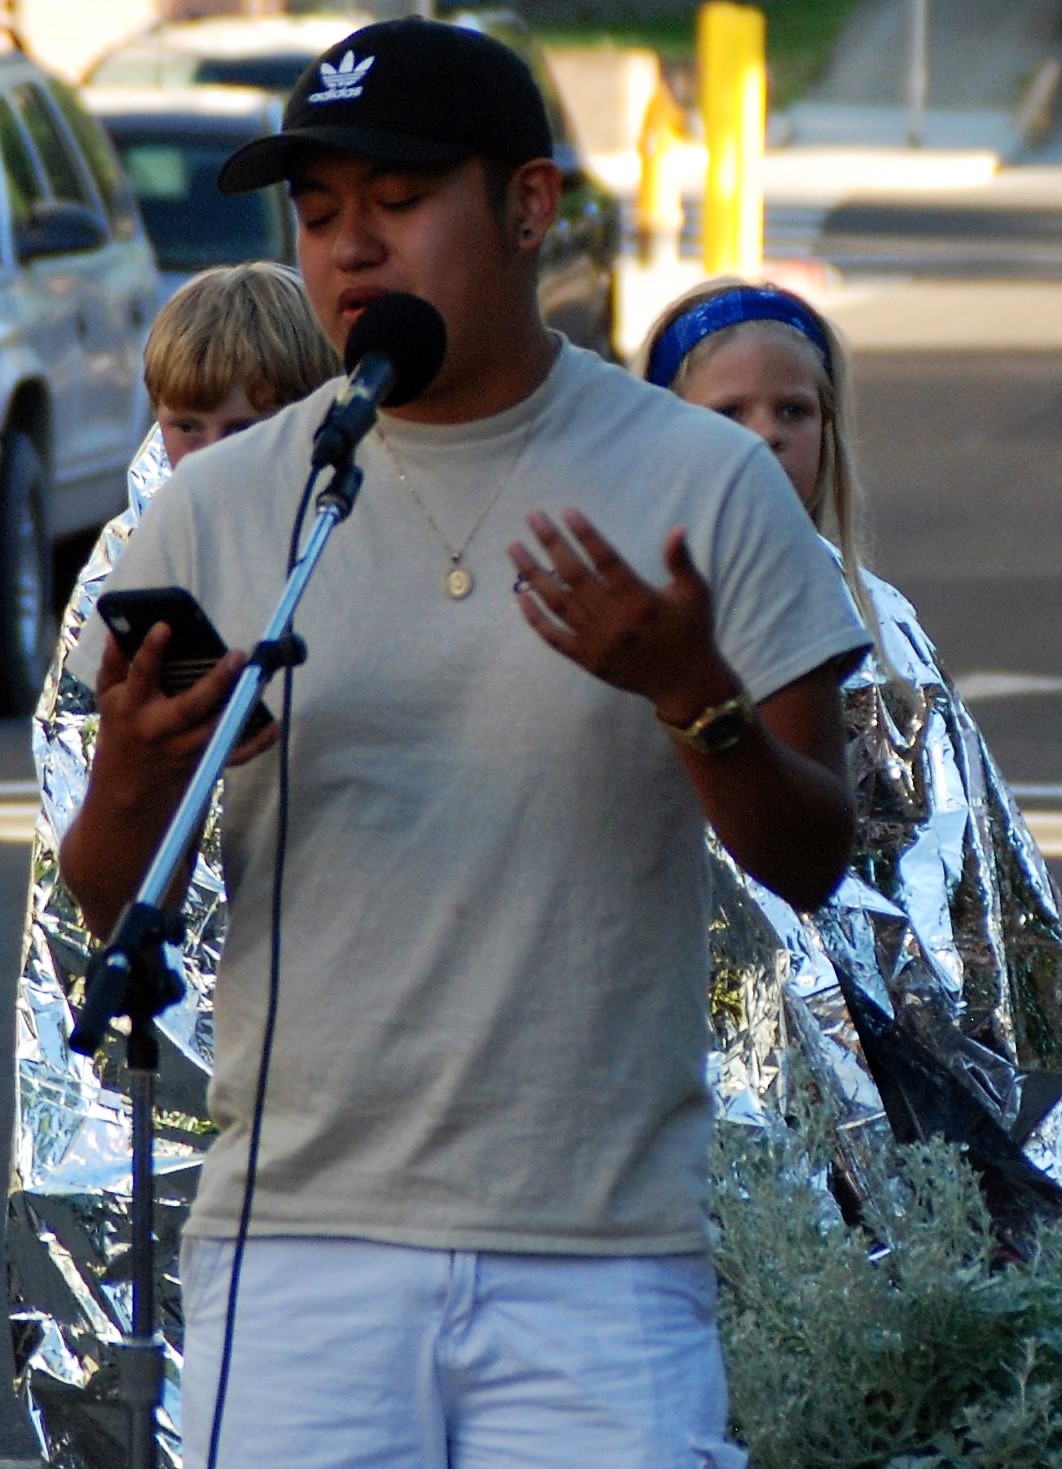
(477, 1230)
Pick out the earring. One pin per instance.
(527, 233)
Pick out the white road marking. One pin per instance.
(1030, 791)
(1046, 827)
(17, 818)
(989, 685)
(19, 804)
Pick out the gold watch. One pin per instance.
(717, 728)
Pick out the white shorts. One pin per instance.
(354, 1355)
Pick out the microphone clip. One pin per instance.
(353, 413)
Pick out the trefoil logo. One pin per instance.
(343, 81)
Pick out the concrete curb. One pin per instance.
(820, 173)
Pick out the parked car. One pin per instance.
(172, 141)
(268, 51)
(579, 259)
(78, 286)
(580, 255)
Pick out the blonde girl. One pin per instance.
(766, 358)
(947, 925)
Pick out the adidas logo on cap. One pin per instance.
(406, 91)
(343, 81)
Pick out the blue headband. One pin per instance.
(729, 308)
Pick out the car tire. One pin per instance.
(26, 623)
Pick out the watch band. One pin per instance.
(717, 728)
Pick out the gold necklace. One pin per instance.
(458, 580)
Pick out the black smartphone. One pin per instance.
(195, 644)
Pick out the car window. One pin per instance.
(118, 198)
(64, 175)
(192, 224)
(271, 73)
(143, 68)
(274, 73)
(24, 186)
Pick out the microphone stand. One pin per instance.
(131, 977)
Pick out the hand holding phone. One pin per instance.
(195, 644)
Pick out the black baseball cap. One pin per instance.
(404, 91)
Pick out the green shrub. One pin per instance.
(906, 1343)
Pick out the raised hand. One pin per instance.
(585, 601)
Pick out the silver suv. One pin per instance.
(78, 284)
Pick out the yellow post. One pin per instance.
(732, 72)
(658, 204)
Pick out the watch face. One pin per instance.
(725, 730)
(717, 729)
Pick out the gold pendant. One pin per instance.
(458, 582)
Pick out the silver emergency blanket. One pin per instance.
(946, 928)
(68, 1231)
(941, 950)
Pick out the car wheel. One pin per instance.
(26, 628)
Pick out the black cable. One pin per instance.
(258, 1114)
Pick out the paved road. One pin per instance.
(17, 805)
(980, 54)
(883, 208)
(961, 451)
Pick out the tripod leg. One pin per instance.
(141, 1358)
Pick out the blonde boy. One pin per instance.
(229, 348)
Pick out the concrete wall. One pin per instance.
(606, 91)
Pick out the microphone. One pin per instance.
(394, 349)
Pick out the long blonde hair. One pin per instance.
(837, 505)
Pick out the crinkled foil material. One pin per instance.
(69, 1209)
(948, 922)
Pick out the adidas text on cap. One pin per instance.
(404, 91)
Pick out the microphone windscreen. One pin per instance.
(409, 332)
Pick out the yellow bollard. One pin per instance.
(732, 72)
(658, 212)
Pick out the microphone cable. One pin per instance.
(269, 1030)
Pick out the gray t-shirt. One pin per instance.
(491, 1029)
